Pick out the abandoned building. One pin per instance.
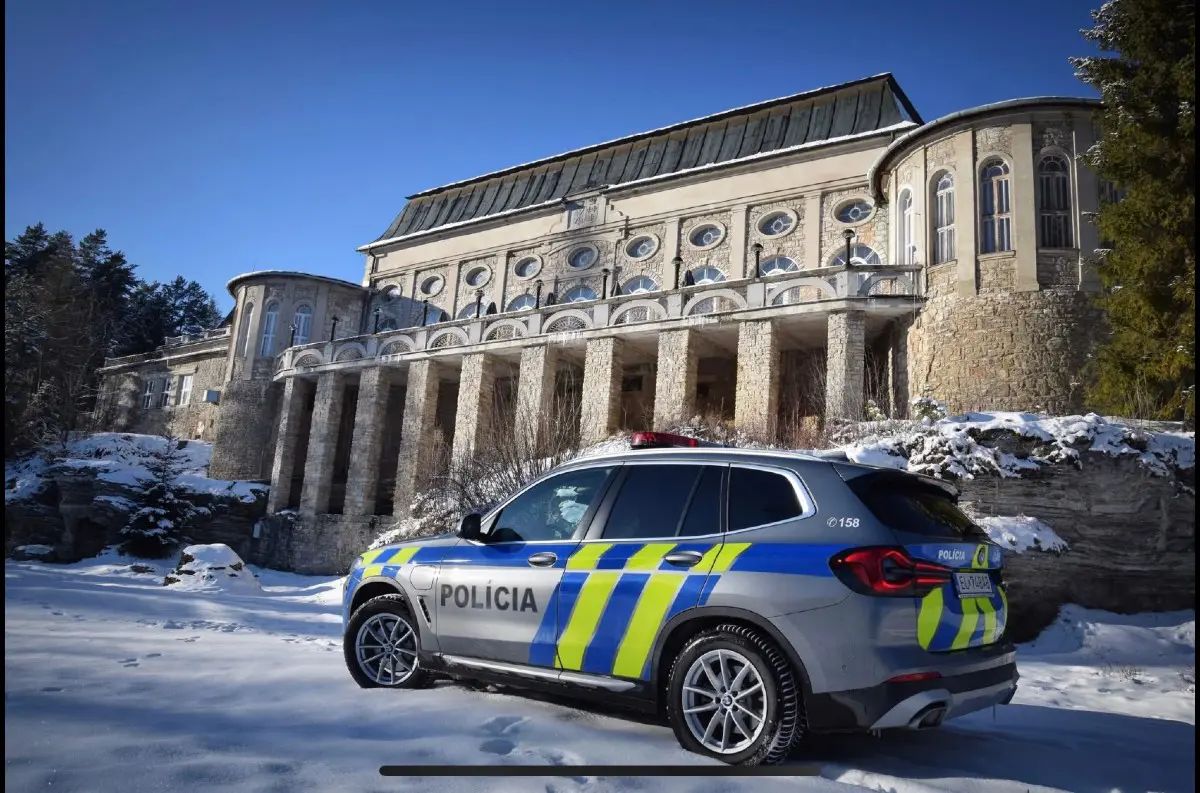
(769, 265)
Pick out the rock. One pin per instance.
(38, 553)
(1131, 539)
(212, 567)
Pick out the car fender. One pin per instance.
(711, 613)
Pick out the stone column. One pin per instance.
(675, 386)
(322, 443)
(966, 215)
(362, 481)
(535, 393)
(416, 436)
(476, 397)
(844, 365)
(756, 401)
(291, 419)
(1024, 208)
(601, 409)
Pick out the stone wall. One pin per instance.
(1007, 351)
(119, 401)
(247, 423)
(78, 515)
(313, 544)
(1131, 538)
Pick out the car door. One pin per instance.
(497, 597)
(644, 560)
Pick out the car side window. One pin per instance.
(652, 501)
(758, 497)
(704, 513)
(550, 510)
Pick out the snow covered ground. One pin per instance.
(113, 682)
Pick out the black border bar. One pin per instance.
(568, 771)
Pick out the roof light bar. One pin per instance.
(660, 440)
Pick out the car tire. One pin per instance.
(384, 624)
(779, 709)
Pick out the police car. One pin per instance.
(753, 597)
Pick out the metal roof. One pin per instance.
(856, 108)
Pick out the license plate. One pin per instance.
(973, 585)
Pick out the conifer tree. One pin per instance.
(163, 513)
(1146, 150)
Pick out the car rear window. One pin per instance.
(914, 508)
(758, 497)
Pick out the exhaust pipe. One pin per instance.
(928, 717)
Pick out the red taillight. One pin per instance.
(888, 571)
(659, 440)
(915, 677)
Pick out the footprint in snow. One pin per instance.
(502, 725)
(154, 655)
(497, 746)
(52, 689)
(188, 639)
(128, 662)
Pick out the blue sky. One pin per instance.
(212, 138)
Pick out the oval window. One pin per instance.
(853, 211)
(776, 223)
(641, 247)
(527, 267)
(432, 285)
(706, 236)
(478, 276)
(582, 258)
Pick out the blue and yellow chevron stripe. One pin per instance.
(945, 622)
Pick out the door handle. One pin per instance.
(683, 558)
(543, 559)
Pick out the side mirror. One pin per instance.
(468, 527)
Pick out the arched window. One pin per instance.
(639, 286)
(859, 254)
(707, 275)
(579, 294)
(244, 331)
(908, 229)
(995, 207)
(304, 316)
(435, 315)
(777, 265)
(943, 219)
(270, 320)
(522, 303)
(470, 310)
(1054, 202)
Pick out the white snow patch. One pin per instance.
(948, 448)
(35, 550)
(1021, 533)
(119, 458)
(248, 692)
(212, 567)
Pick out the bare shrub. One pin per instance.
(511, 452)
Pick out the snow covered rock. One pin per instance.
(42, 553)
(1021, 533)
(211, 567)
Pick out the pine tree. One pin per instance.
(1146, 150)
(156, 527)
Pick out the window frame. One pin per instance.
(595, 532)
(808, 507)
(184, 396)
(995, 188)
(307, 339)
(244, 337)
(776, 273)
(164, 393)
(270, 326)
(944, 254)
(488, 520)
(148, 391)
(1065, 214)
(907, 227)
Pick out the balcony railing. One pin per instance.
(803, 291)
(188, 338)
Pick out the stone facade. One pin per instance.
(757, 398)
(675, 386)
(328, 410)
(845, 352)
(601, 389)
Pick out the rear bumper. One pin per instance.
(917, 704)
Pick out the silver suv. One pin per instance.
(753, 597)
